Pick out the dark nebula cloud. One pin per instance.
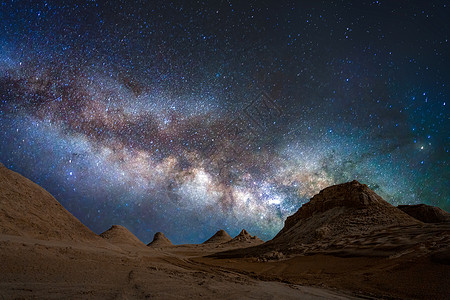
(191, 117)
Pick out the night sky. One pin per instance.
(190, 117)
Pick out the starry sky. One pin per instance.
(190, 117)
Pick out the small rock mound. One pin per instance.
(426, 213)
(160, 240)
(120, 235)
(219, 237)
(244, 236)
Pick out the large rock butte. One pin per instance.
(244, 236)
(344, 209)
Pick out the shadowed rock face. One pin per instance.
(118, 234)
(160, 240)
(26, 209)
(219, 237)
(426, 213)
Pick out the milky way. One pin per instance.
(188, 118)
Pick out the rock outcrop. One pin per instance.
(244, 236)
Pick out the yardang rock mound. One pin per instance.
(120, 235)
(245, 239)
(219, 237)
(160, 240)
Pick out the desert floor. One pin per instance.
(39, 269)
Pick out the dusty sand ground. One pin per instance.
(367, 276)
(37, 269)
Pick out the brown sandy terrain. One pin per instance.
(47, 253)
(31, 268)
(406, 278)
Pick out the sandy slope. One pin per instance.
(426, 213)
(407, 277)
